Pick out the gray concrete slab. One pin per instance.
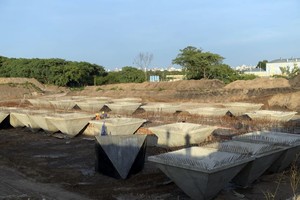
(200, 172)
(122, 151)
(271, 115)
(181, 134)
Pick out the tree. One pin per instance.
(143, 61)
(262, 64)
(196, 63)
(224, 73)
(131, 75)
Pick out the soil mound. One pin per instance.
(174, 85)
(22, 81)
(290, 101)
(295, 82)
(262, 83)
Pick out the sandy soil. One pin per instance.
(47, 165)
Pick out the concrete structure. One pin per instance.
(19, 118)
(181, 134)
(40, 120)
(265, 155)
(273, 67)
(70, 123)
(289, 141)
(271, 115)
(128, 99)
(239, 108)
(161, 107)
(92, 106)
(120, 156)
(193, 105)
(3, 115)
(117, 126)
(123, 107)
(43, 103)
(208, 111)
(200, 172)
(63, 104)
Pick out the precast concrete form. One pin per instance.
(265, 155)
(209, 111)
(131, 99)
(63, 104)
(181, 134)
(201, 172)
(123, 107)
(70, 123)
(118, 126)
(161, 107)
(40, 120)
(193, 105)
(239, 108)
(120, 156)
(289, 141)
(19, 118)
(92, 106)
(43, 103)
(3, 115)
(271, 115)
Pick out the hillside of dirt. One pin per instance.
(273, 93)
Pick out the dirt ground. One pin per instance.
(36, 165)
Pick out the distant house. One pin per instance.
(257, 72)
(273, 67)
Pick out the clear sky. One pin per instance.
(112, 33)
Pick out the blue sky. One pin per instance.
(112, 33)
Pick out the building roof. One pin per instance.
(285, 60)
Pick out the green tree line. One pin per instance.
(51, 71)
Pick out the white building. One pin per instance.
(273, 67)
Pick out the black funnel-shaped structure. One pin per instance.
(120, 156)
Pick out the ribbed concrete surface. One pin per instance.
(200, 172)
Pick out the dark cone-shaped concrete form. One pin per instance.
(200, 172)
(119, 156)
